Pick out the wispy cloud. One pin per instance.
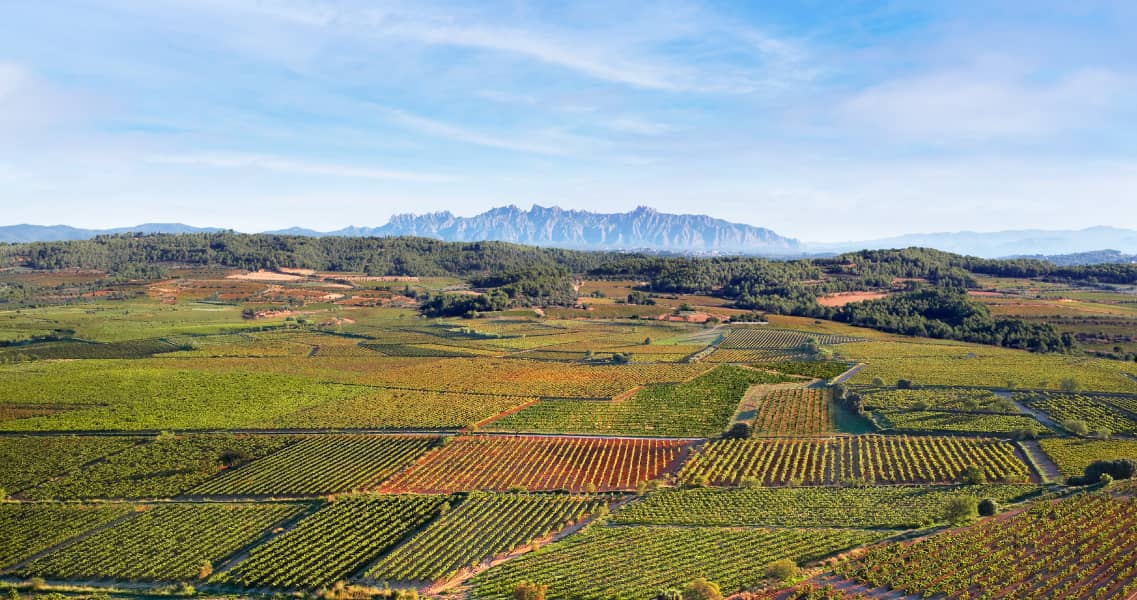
(461, 134)
(729, 57)
(226, 160)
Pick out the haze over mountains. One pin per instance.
(647, 229)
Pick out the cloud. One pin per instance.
(964, 105)
(462, 134)
(225, 160)
(672, 47)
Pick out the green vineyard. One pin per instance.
(624, 562)
(320, 465)
(335, 542)
(855, 459)
(482, 527)
(175, 542)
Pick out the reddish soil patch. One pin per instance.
(843, 298)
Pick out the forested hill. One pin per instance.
(935, 304)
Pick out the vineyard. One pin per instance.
(1074, 455)
(933, 422)
(699, 407)
(26, 529)
(627, 562)
(780, 338)
(30, 460)
(164, 467)
(320, 465)
(1097, 414)
(863, 459)
(482, 527)
(864, 507)
(513, 377)
(934, 398)
(401, 409)
(802, 411)
(499, 463)
(334, 542)
(1084, 547)
(170, 542)
(301, 433)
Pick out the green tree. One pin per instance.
(961, 509)
(701, 589)
(1076, 427)
(972, 475)
(782, 570)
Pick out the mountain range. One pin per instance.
(650, 230)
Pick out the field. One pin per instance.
(1083, 547)
(624, 562)
(934, 398)
(161, 468)
(334, 542)
(779, 338)
(699, 407)
(401, 409)
(498, 463)
(799, 411)
(933, 422)
(481, 528)
(863, 507)
(320, 465)
(1074, 455)
(148, 395)
(932, 362)
(1097, 413)
(173, 542)
(869, 459)
(26, 529)
(30, 460)
(308, 433)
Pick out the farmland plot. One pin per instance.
(500, 463)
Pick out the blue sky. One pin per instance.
(822, 120)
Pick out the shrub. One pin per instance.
(701, 589)
(782, 570)
(528, 590)
(961, 509)
(1024, 434)
(988, 507)
(1122, 468)
(669, 594)
(903, 384)
(739, 431)
(233, 458)
(1076, 427)
(972, 475)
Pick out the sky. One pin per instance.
(822, 120)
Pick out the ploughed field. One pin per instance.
(347, 446)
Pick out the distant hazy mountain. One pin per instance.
(58, 233)
(1002, 243)
(648, 229)
(641, 228)
(1097, 257)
